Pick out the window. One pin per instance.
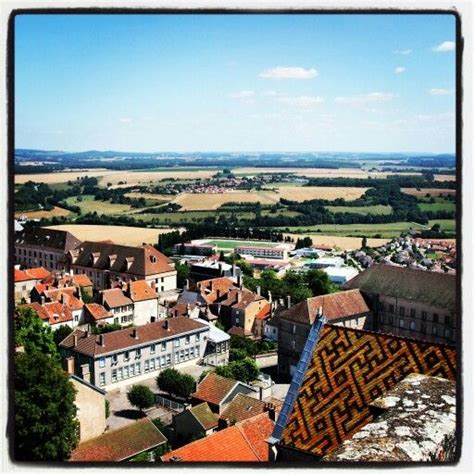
(152, 364)
(435, 318)
(412, 325)
(152, 348)
(402, 323)
(114, 375)
(163, 346)
(402, 310)
(147, 366)
(102, 362)
(176, 357)
(391, 308)
(163, 361)
(412, 312)
(390, 320)
(138, 368)
(176, 343)
(157, 362)
(447, 333)
(186, 354)
(423, 315)
(125, 372)
(447, 320)
(293, 344)
(191, 352)
(76, 318)
(198, 336)
(293, 330)
(423, 328)
(187, 339)
(132, 370)
(114, 359)
(218, 347)
(435, 330)
(138, 353)
(102, 379)
(126, 355)
(120, 373)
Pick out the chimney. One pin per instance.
(270, 409)
(135, 333)
(101, 340)
(86, 333)
(74, 340)
(239, 281)
(188, 309)
(210, 285)
(288, 301)
(42, 299)
(259, 290)
(166, 325)
(233, 269)
(70, 365)
(269, 296)
(218, 293)
(239, 296)
(220, 268)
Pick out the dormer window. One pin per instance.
(95, 257)
(112, 259)
(153, 259)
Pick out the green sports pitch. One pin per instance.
(231, 244)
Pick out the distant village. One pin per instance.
(264, 378)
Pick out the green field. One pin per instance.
(88, 204)
(231, 244)
(448, 225)
(188, 216)
(438, 206)
(378, 209)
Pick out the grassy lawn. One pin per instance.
(88, 204)
(188, 216)
(230, 244)
(378, 209)
(444, 205)
(448, 225)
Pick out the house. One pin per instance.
(145, 302)
(241, 408)
(243, 442)
(271, 329)
(118, 304)
(121, 444)
(66, 296)
(277, 251)
(213, 269)
(218, 391)
(96, 314)
(26, 280)
(107, 263)
(131, 355)
(261, 319)
(346, 308)
(218, 345)
(53, 314)
(340, 275)
(195, 422)
(408, 302)
(341, 372)
(43, 247)
(90, 404)
(82, 282)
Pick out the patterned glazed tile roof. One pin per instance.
(243, 407)
(120, 444)
(214, 388)
(243, 442)
(335, 306)
(89, 344)
(348, 370)
(205, 416)
(140, 290)
(436, 289)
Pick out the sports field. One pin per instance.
(231, 244)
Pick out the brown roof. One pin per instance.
(210, 289)
(124, 338)
(121, 444)
(243, 442)
(243, 407)
(114, 298)
(80, 280)
(214, 388)
(334, 306)
(246, 297)
(140, 290)
(65, 296)
(239, 331)
(432, 288)
(144, 260)
(52, 313)
(57, 240)
(348, 370)
(97, 311)
(205, 416)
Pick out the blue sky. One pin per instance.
(381, 83)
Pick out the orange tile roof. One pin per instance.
(52, 313)
(243, 442)
(22, 276)
(97, 311)
(214, 388)
(121, 444)
(334, 305)
(140, 290)
(65, 296)
(38, 273)
(81, 280)
(115, 297)
(210, 289)
(348, 370)
(264, 313)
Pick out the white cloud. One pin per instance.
(302, 102)
(125, 120)
(281, 72)
(399, 69)
(270, 93)
(363, 99)
(435, 91)
(444, 47)
(440, 117)
(403, 52)
(242, 95)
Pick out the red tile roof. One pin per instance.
(140, 290)
(120, 444)
(348, 370)
(22, 276)
(124, 338)
(210, 289)
(214, 388)
(265, 312)
(115, 298)
(334, 306)
(65, 296)
(97, 311)
(52, 313)
(38, 273)
(243, 442)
